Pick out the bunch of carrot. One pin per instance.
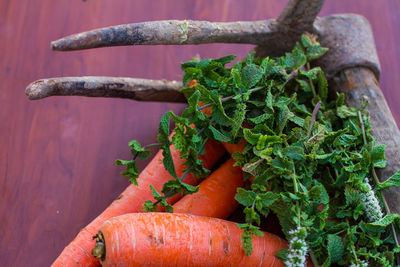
(126, 237)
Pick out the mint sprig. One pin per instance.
(309, 153)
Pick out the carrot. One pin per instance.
(215, 197)
(172, 239)
(77, 253)
(232, 148)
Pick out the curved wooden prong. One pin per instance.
(131, 88)
(300, 14)
(169, 32)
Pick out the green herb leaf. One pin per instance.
(394, 180)
(335, 248)
(248, 232)
(309, 167)
(138, 150)
(219, 135)
(168, 161)
(251, 75)
(238, 118)
(132, 170)
(315, 51)
(245, 197)
(177, 186)
(378, 155)
(149, 206)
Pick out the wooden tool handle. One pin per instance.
(358, 83)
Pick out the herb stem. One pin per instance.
(289, 78)
(314, 118)
(396, 241)
(151, 145)
(377, 182)
(296, 189)
(312, 87)
(386, 206)
(315, 135)
(205, 106)
(187, 171)
(362, 127)
(241, 95)
(230, 97)
(145, 147)
(314, 259)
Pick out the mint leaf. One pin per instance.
(378, 155)
(306, 41)
(238, 118)
(379, 225)
(132, 170)
(345, 112)
(315, 51)
(248, 232)
(251, 75)
(335, 248)
(251, 137)
(296, 59)
(177, 186)
(163, 129)
(138, 150)
(168, 161)
(219, 135)
(322, 85)
(394, 180)
(282, 254)
(226, 59)
(245, 197)
(149, 206)
(237, 78)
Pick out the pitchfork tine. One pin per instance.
(136, 89)
(169, 32)
(300, 14)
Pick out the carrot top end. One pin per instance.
(99, 250)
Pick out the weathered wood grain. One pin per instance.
(169, 32)
(300, 14)
(360, 84)
(100, 86)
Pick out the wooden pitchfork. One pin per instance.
(351, 64)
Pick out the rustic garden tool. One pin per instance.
(351, 64)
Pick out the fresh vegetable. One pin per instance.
(77, 253)
(315, 155)
(216, 195)
(165, 239)
(232, 148)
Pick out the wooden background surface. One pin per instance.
(57, 155)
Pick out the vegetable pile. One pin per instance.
(311, 158)
(298, 151)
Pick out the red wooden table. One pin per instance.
(57, 155)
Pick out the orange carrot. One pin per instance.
(232, 148)
(77, 253)
(216, 196)
(172, 239)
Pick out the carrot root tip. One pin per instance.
(99, 250)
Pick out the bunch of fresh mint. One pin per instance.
(313, 158)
